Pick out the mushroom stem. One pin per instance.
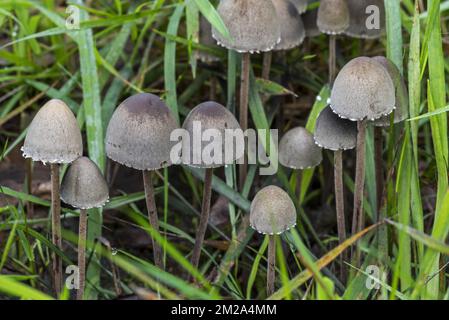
(298, 183)
(56, 227)
(332, 59)
(339, 203)
(29, 185)
(378, 146)
(271, 275)
(213, 89)
(152, 215)
(82, 234)
(244, 93)
(204, 219)
(266, 67)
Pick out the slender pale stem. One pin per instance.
(82, 234)
(29, 175)
(340, 204)
(271, 268)
(56, 227)
(266, 67)
(204, 219)
(152, 216)
(378, 148)
(244, 95)
(332, 59)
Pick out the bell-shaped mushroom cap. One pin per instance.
(367, 18)
(210, 119)
(138, 135)
(334, 133)
(272, 211)
(297, 150)
(206, 39)
(252, 24)
(292, 28)
(300, 5)
(333, 16)
(53, 136)
(401, 111)
(309, 18)
(363, 90)
(83, 185)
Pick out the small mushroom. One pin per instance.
(83, 187)
(206, 39)
(367, 18)
(272, 213)
(211, 116)
(54, 137)
(363, 90)
(138, 136)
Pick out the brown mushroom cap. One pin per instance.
(252, 25)
(333, 16)
(401, 112)
(297, 150)
(138, 135)
(359, 17)
(292, 28)
(272, 211)
(334, 133)
(206, 39)
(210, 115)
(53, 136)
(83, 185)
(300, 5)
(363, 90)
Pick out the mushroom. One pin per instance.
(336, 134)
(83, 187)
(211, 116)
(253, 28)
(363, 90)
(333, 19)
(298, 151)
(400, 114)
(138, 136)
(300, 5)
(54, 137)
(361, 15)
(272, 213)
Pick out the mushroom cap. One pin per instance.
(358, 19)
(292, 28)
(300, 5)
(333, 16)
(334, 133)
(272, 211)
(53, 136)
(206, 39)
(252, 25)
(401, 112)
(363, 90)
(210, 115)
(297, 150)
(309, 18)
(83, 185)
(138, 135)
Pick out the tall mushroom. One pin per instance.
(272, 213)
(363, 91)
(138, 136)
(208, 118)
(367, 18)
(333, 19)
(253, 27)
(83, 187)
(54, 137)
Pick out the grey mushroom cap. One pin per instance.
(204, 117)
(83, 185)
(252, 24)
(363, 90)
(309, 19)
(300, 5)
(297, 150)
(53, 136)
(402, 103)
(334, 133)
(333, 16)
(359, 18)
(206, 39)
(272, 211)
(138, 135)
(292, 28)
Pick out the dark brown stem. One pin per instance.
(378, 148)
(340, 204)
(213, 89)
(56, 227)
(266, 67)
(82, 235)
(204, 219)
(271, 268)
(298, 183)
(332, 59)
(244, 94)
(152, 216)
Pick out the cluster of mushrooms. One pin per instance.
(365, 92)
